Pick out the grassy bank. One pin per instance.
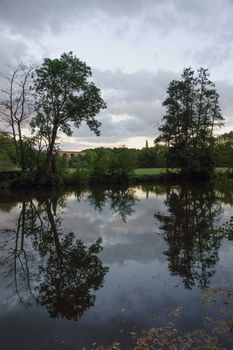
(138, 175)
(72, 176)
(158, 171)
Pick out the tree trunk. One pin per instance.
(20, 151)
(50, 170)
(53, 229)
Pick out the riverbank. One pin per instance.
(73, 177)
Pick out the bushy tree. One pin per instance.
(65, 96)
(192, 113)
(147, 158)
(223, 150)
(114, 165)
(8, 157)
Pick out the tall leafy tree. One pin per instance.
(65, 96)
(192, 113)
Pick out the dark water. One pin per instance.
(80, 267)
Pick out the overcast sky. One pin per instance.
(134, 47)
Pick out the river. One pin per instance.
(89, 267)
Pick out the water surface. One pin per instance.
(99, 265)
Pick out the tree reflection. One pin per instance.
(16, 253)
(189, 230)
(120, 199)
(71, 271)
(68, 271)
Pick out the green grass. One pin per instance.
(152, 171)
(71, 171)
(158, 171)
(220, 170)
(141, 172)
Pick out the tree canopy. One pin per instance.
(192, 113)
(65, 96)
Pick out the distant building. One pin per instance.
(68, 154)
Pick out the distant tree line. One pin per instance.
(150, 157)
(111, 160)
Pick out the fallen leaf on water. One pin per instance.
(133, 334)
(175, 312)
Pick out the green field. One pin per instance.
(152, 171)
(155, 171)
(158, 171)
(138, 172)
(221, 170)
(71, 170)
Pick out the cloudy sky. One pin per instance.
(134, 47)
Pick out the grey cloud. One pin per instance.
(203, 29)
(118, 131)
(12, 51)
(159, 15)
(134, 99)
(197, 16)
(225, 90)
(145, 110)
(139, 94)
(107, 129)
(121, 242)
(142, 85)
(214, 55)
(136, 249)
(139, 105)
(29, 17)
(52, 14)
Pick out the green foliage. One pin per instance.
(161, 154)
(60, 165)
(120, 160)
(32, 157)
(8, 158)
(192, 113)
(147, 158)
(195, 162)
(64, 97)
(223, 150)
(121, 164)
(105, 164)
(114, 165)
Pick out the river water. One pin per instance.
(85, 267)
